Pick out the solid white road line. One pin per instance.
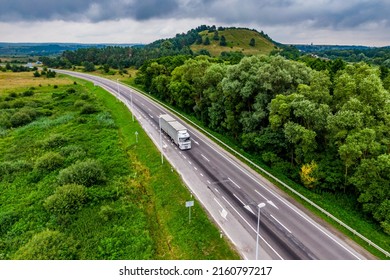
(281, 224)
(234, 183)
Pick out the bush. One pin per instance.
(4, 105)
(66, 200)
(70, 90)
(55, 141)
(18, 104)
(29, 92)
(88, 109)
(11, 167)
(5, 120)
(49, 161)
(48, 245)
(84, 96)
(105, 120)
(79, 103)
(87, 173)
(73, 152)
(19, 119)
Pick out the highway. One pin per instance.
(231, 191)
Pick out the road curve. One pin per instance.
(230, 191)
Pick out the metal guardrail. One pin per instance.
(371, 243)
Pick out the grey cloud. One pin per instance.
(333, 14)
(84, 10)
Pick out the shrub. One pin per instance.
(66, 200)
(7, 220)
(88, 109)
(19, 119)
(11, 167)
(49, 161)
(29, 92)
(84, 96)
(87, 173)
(105, 120)
(48, 245)
(79, 103)
(70, 90)
(73, 152)
(55, 141)
(58, 95)
(18, 104)
(5, 119)
(4, 105)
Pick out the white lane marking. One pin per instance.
(261, 195)
(218, 202)
(184, 157)
(190, 162)
(251, 227)
(216, 190)
(197, 143)
(239, 199)
(234, 183)
(150, 116)
(208, 182)
(281, 224)
(195, 168)
(205, 157)
(201, 175)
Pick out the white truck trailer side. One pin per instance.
(176, 131)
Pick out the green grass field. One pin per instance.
(74, 184)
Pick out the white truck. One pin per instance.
(176, 131)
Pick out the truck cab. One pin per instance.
(184, 140)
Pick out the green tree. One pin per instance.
(207, 41)
(223, 42)
(88, 66)
(252, 42)
(372, 179)
(216, 35)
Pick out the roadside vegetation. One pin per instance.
(74, 184)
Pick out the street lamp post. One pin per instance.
(261, 205)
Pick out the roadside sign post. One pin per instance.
(189, 204)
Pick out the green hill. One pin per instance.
(237, 40)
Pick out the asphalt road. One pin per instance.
(230, 192)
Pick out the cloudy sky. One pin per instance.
(356, 22)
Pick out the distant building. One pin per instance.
(38, 62)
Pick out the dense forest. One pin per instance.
(375, 56)
(328, 130)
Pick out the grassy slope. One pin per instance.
(237, 40)
(138, 213)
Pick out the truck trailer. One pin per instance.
(176, 131)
